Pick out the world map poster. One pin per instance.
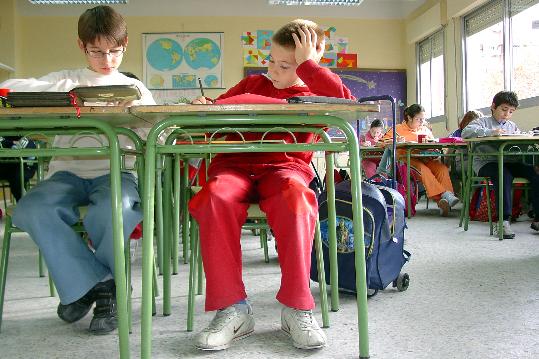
(176, 60)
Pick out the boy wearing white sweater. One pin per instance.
(83, 276)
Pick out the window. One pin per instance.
(430, 79)
(501, 43)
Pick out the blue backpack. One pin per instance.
(383, 238)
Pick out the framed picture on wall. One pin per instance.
(176, 60)
(368, 82)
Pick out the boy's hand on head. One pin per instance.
(306, 48)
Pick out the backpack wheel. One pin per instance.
(402, 282)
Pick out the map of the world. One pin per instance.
(178, 60)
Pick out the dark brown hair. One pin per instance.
(283, 36)
(505, 97)
(412, 110)
(469, 117)
(102, 22)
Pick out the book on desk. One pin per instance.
(82, 95)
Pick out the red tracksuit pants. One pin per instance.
(220, 209)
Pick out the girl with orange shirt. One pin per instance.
(434, 174)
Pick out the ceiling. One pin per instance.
(369, 9)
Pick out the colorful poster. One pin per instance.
(263, 39)
(248, 39)
(329, 59)
(176, 60)
(347, 60)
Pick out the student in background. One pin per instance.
(83, 275)
(468, 117)
(280, 184)
(499, 122)
(434, 174)
(369, 139)
(455, 162)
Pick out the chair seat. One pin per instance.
(253, 211)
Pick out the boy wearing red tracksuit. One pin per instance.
(279, 182)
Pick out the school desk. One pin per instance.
(108, 121)
(273, 118)
(515, 145)
(426, 150)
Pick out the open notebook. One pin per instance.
(82, 95)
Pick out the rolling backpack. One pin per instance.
(384, 250)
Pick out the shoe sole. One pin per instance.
(227, 345)
(77, 318)
(444, 207)
(299, 346)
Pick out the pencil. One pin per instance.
(200, 85)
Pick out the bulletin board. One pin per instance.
(368, 82)
(176, 60)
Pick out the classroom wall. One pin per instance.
(379, 43)
(448, 14)
(7, 38)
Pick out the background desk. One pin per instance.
(409, 147)
(507, 146)
(282, 117)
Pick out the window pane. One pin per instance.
(437, 86)
(484, 66)
(425, 89)
(525, 52)
(431, 75)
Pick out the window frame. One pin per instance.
(507, 56)
(441, 31)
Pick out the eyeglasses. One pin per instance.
(98, 54)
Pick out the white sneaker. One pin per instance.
(451, 198)
(228, 324)
(508, 233)
(302, 327)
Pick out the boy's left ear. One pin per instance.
(81, 44)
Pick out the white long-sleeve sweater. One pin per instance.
(66, 80)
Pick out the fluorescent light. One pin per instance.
(77, 2)
(316, 2)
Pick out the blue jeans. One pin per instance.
(510, 171)
(47, 213)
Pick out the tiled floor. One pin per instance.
(470, 296)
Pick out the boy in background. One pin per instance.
(279, 182)
(82, 275)
(503, 105)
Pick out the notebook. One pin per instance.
(85, 94)
(321, 99)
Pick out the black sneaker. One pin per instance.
(105, 314)
(77, 310)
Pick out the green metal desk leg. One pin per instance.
(500, 191)
(321, 275)
(148, 199)
(40, 264)
(359, 245)
(192, 275)
(167, 232)
(3, 265)
(184, 198)
(159, 216)
(332, 234)
(176, 215)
